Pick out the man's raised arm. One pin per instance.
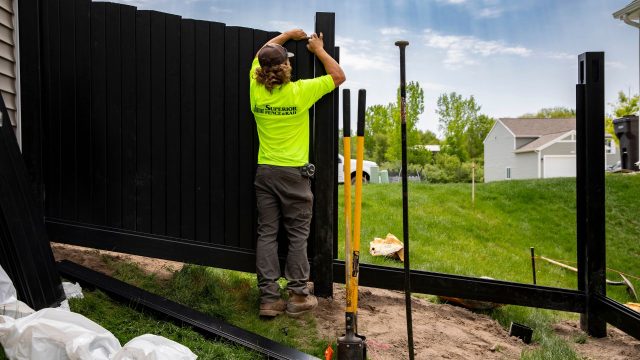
(316, 46)
(293, 34)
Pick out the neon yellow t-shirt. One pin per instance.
(282, 117)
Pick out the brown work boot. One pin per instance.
(273, 309)
(301, 304)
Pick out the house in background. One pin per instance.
(535, 149)
(434, 149)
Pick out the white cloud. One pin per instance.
(140, 4)
(615, 65)
(434, 87)
(490, 12)
(487, 9)
(360, 55)
(561, 56)
(462, 50)
(392, 31)
(218, 10)
(283, 25)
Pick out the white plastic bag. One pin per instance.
(7, 290)
(152, 347)
(72, 291)
(16, 309)
(53, 334)
(64, 305)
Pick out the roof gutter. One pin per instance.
(628, 21)
(625, 13)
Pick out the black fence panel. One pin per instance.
(25, 254)
(98, 120)
(148, 130)
(83, 110)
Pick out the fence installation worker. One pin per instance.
(282, 183)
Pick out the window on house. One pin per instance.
(508, 173)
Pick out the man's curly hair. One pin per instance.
(272, 76)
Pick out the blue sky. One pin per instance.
(513, 56)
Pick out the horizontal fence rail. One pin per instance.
(465, 287)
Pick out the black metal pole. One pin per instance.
(405, 202)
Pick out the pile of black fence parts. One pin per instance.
(206, 325)
(25, 253)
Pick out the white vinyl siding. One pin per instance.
(498, 153)
(560, 148)
(559, 166)
(525, 166)
(8, 58)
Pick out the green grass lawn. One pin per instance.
(227, 295)
(448, 234)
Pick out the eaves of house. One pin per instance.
(630, 12)
(542, 132)
(544, 142)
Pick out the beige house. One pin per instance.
(9, 60)
(535, 149)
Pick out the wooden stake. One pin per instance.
(473, 184)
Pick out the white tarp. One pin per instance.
(53, 334)
(71, 291)
(7, 290)
(58, 334)
(152, 347)
(16, 309)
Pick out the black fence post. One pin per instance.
(325, 159)
(25, 253)
(590, 188)
(30, 91)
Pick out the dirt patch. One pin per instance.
(616, 346)
(440, 331)
(95, 260)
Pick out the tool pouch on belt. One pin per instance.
(308, 170)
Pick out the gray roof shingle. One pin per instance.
(538, 127)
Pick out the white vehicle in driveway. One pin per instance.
(366, 169)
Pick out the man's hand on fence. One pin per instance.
(315, 43)
(297, 34)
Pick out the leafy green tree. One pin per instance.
(463, 127)
(427, 137)
(552, 113)
(382, 127)
(626, 105)
(378, 131)
(477, 131)
(414, 108)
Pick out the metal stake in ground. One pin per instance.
(405, 202)
(352, 346)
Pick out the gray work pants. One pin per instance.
(282, 193)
